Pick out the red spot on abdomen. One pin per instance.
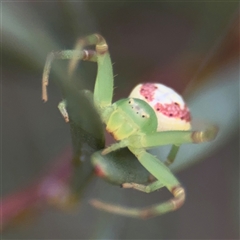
(173, 110)
(147, 91)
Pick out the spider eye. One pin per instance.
(130, 101)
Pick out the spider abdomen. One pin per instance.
(170, 108)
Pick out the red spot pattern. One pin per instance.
(147, 91)
(173, 110)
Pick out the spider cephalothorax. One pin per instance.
(130, 116)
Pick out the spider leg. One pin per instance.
(63, 55)
(125, 211)
(172, 137)
(165, 138)
(81, 43)
(156, 184)
(172, 155)
(164, 178)
(143, 213)
(63, 110)
(103, 90)
(115, 146)
(144, 188)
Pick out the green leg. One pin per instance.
(165, 138)
(63, 107)
(63, 111)
(164, 178)
(81, 43)
(172, 155)
(144, 188)
(63, 55)
(172, 137)
(157, 168)
(103, 90)
(114, 147)
(148, 212)
(130, 212)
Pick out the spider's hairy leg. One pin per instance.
(63, 55)
(173, 137)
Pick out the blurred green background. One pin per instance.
(168, 42)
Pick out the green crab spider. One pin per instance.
(153, 115)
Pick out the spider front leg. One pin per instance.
(165, 138)
(63, 55)
(172, 137)
(79, 46)
(103, 90)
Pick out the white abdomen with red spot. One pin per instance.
(169, 106)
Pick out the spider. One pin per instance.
(152, 115)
